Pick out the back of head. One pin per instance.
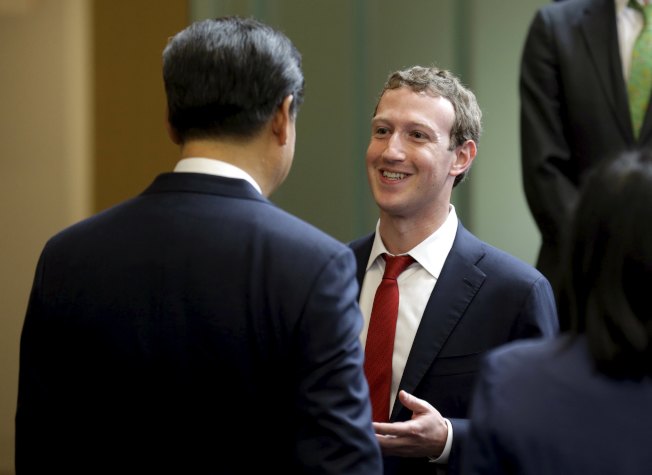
(225, 77)
(606, 292)
(441, 83)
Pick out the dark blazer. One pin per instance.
(574, 112)
(196, 328)
(541, 408)
(483, 298)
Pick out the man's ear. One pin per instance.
(465, 154)
(282, 120)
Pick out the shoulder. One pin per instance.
(362, 245)
(294, 248)
(515, 377)
(569, 9)
(508, 266)
(508, 283)
(556, 21)
(525, 352)
(494, 261)
(88, 230)
(298, 234)
(514, 363)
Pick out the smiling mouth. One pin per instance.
(394, 176)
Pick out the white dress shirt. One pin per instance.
(415, 285)
(211, 166)
(629, 22)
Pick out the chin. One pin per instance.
(389, 206)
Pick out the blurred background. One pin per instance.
(82, 114)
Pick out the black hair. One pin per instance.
(605, 294)
(227, 76)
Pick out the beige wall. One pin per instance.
(44, 122)
(131, 144)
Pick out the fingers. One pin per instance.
(413, 438)
(424, 434)
(395, 429)
(413, 403)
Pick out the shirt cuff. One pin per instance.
(443, 458)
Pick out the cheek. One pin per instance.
(373, 153)
(368, 159)
(370, 165)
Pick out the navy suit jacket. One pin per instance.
(574, 113)
(196, 328)
(483, 298)
(541, 408)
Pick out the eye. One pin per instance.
(380, 131)
(417, 134)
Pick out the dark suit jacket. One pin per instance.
(574, 112)
(483, 298)
(187, 326)
(541, 408)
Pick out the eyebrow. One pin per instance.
(410, 125)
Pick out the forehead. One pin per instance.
(403, 105)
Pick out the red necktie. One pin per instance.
(380, 337)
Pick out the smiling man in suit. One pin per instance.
(459, 298)
(198, 321)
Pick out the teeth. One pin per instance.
(394, 175)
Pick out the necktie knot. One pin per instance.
(394, 265)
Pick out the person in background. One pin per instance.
(585, 80)
(197, 328)
(457, 296)
(581, 403)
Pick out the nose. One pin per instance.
(394, 148)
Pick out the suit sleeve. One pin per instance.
(38, 414)
(336, 434)
(482, 449)
(538, 316)
(546, 157)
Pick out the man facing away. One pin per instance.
(459, 297)
(197, 321)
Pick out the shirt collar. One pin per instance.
(431, 253)
(212, 166)
(620, 4)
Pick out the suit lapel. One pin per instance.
(458, 283)
(598, 27)
(362, 249)
(646, 128)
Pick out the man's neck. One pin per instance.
(247, 156)
(400, 235)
